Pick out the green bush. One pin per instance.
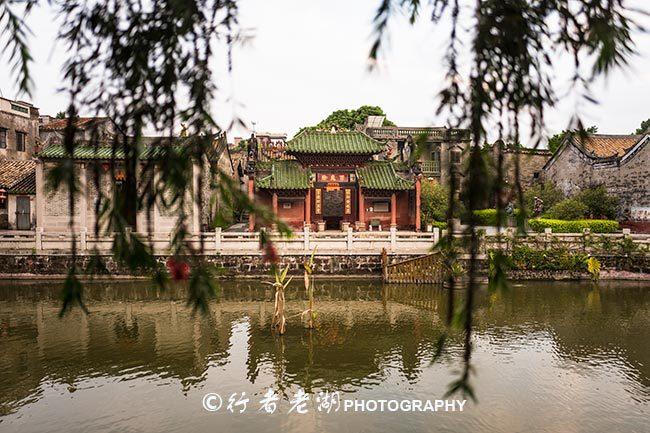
(547, 192)
(599, 203)
(486, 217)
(434, 202)
(567, 209)
(556, 259)
(575, 226)
(440, 224)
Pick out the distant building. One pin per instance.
(19, 129)
(619, 162)
(19, 139)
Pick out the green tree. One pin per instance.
(434, 202)
(644, 127)
(599, 203)
(346, 119)
(567, 209)
(555, 141)
(547, 192)
(60, 115)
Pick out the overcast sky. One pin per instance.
(309, 58)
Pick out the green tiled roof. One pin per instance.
(321, 142)
(382, 175)
(57, 151)
(283, 175)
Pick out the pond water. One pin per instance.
(548, 357)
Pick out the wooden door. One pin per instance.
(23, 213)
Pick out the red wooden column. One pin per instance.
(418, 201)
(308, 209)
(251, 196)
(362, 209)
(275, 203)
(393, 210)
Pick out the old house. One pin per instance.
(619, 162)
(332, 180)
(439, 148)
(19, 137)
(93, 157)
(52, 129)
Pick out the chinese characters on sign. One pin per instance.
(318, 201)
(348, 201)
(327, 177)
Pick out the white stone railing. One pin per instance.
(232, 243)
(301, 242)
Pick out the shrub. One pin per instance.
(547, 192)
(599, 203)
(567, 209)
(486, 217)
(556, 259)
(440, 224)
(434, 202)
(576, 226)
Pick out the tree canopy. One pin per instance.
(555, 141)
(644, 127)
(346, 119)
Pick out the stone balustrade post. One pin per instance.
(217, 239)
(306, 237)
(350, 239)
(83, 239)
(38, 239)
(436, 235)
(393, 238)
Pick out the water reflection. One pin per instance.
(564, 343)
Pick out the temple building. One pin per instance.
(333, 180)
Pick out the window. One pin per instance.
(20, 108)
(3, 138)
(20, 141)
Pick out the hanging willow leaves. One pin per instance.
(510, 44)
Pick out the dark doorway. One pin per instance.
(23, 213)
(333, 208)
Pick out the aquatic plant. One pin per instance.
(593, 266)
(279, 321)
(308, 265)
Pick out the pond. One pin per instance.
(548, 357)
